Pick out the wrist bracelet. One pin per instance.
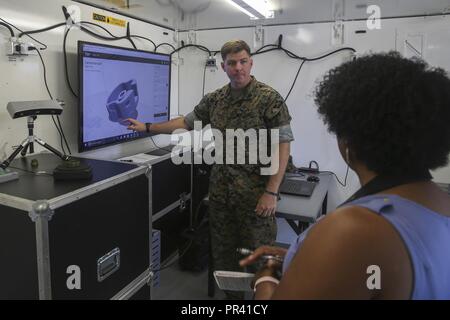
(147, 127)
(276, 194)
(265, 279)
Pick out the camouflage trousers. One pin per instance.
(235, 225)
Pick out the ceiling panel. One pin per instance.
(207, 14)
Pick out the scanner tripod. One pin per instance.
(28, 144)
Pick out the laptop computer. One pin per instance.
(297, 187)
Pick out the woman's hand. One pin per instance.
(264, 251)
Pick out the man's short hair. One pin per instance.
(234, 46)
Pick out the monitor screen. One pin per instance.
(116, 84)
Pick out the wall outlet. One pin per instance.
(18, 48)
(211, 62)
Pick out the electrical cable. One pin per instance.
(95, 35)
(165, 43)
(345, 179)
(132, 42)
(113, 36)
(295, 80)
(9, 28)
(51, 97)
(298, 171)
(151, 137)
(129, 37)
(330, 53)
(60, 135)
(263, 47)
(45, 74)
(60, 130)
(99, 36)
(45, 46)
(63, 135)
(203, 48)
(292, 55)
(65, 64)
(99, 26)
(41, 30)
(140, 37)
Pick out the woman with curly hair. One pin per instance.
(391, 239)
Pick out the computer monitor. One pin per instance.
(116, 84)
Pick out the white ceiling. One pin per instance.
(206, 14)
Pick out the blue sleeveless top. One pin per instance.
(426, 235)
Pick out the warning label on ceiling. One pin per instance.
(110, 20)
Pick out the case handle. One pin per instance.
(108, 264)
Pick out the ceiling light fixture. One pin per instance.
(255, 9)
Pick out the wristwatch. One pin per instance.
(147, 127)
(276, 194)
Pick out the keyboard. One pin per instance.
(297, 187)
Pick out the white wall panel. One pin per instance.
(22, 78)
(312, 141)
(221, 13)
(436, 51)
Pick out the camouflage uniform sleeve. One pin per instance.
(277, 116)
(200, 113)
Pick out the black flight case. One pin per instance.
(83, 239)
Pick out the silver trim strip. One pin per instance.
(169, 208)
(149, 174)
(27, 205)
(42, 213)
(16, 202)
(134, 286)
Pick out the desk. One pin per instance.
(298, 209)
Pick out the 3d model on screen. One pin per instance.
(123, 101)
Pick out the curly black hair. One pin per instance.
(393, 112)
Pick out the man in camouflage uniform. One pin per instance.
(242, 201)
